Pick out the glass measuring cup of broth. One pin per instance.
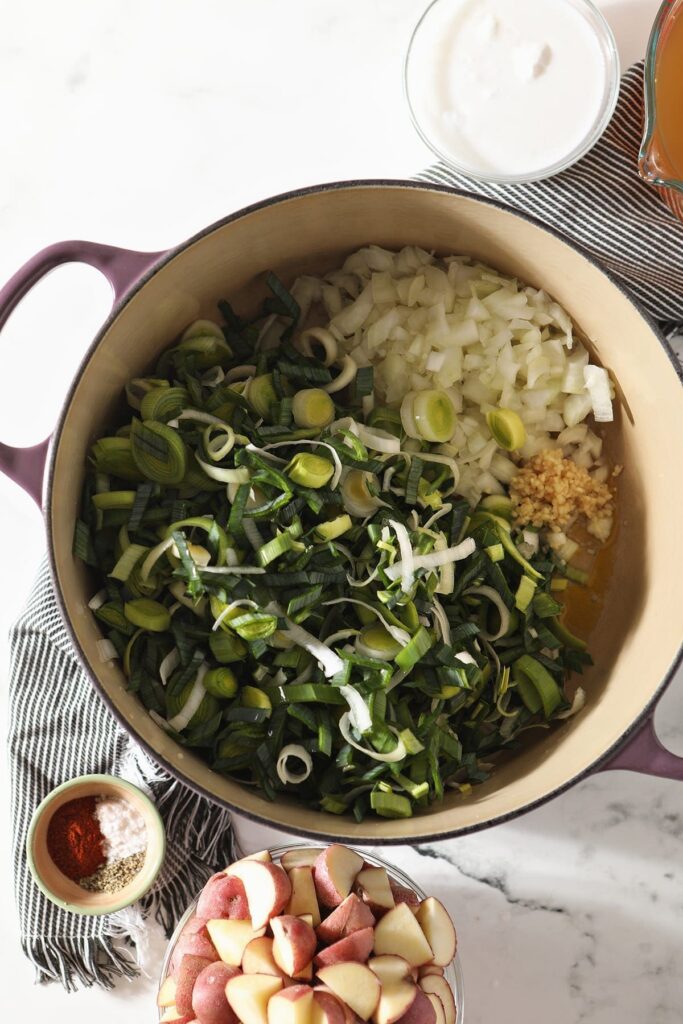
(661, 153)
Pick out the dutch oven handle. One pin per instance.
(644, 753)
(121, 267)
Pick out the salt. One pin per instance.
(123, 828)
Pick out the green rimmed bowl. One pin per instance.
(64, 892)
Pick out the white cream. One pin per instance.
(507, 87)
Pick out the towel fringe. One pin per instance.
(86, 960)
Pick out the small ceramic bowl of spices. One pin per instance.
(95, 844)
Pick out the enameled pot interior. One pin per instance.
(637, 633)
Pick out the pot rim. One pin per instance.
(200, 790)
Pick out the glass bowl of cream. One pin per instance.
(511, 91)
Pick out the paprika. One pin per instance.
(74, 839)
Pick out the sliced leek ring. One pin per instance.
(434, 415)
(312, 407)
(159, 452)
(507, 428)
(309, 470)
(147, 614)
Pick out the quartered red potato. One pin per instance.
(322, 937)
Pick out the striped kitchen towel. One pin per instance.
(59, 727)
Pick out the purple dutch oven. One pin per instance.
(636, 638)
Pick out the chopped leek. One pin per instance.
(163, 403)
(221, 682)
(549, 692)
(415, 649)
(312, 407)
(525, 593)
(147, 614)
(507, 428)
(158, 451)
(434, 415)
(333, 528)
(310, 470)
(310, 567)
(390, 805)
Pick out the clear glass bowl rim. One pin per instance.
(668, 9)
(453, 972)
(613, 73)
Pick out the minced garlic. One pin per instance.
(551, 491)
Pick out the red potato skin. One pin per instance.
(421, 1011)
(281, 885)
(404, 895)
(350, 916)
(330, 1006)
(208, 996)
(292, 992)
(195, 926)
(328, 896)
(223, 896)
(349, 1015)
(299, 936)
(189, 969)
(357, 947)
(197, 944)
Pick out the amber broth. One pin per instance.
(584, 604)
(668, 138)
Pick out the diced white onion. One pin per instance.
(435, 361)
(431, 325)
(598, 386)
(530, 538)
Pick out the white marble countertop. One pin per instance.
(137, 122)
